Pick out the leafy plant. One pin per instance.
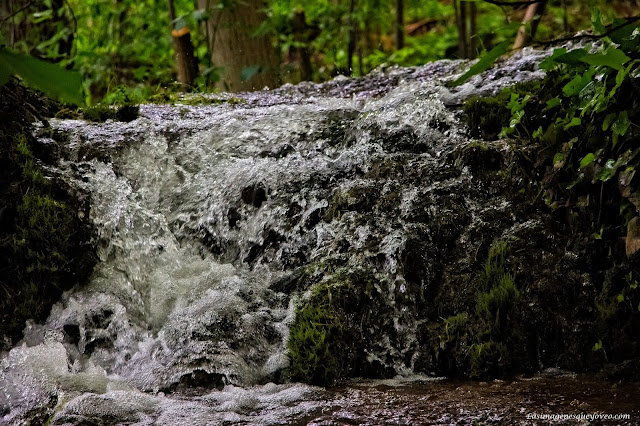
(49, 78)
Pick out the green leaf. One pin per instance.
(612, 58)
(553, 102)
(573, 57)
(620, 298)
(597, 346)
(607, 121)
(625, 35)
(621, 125)
(588, 159)
(484, 63)
(5, 74)
(596, 20)
(39, 17)
(51, 79)
(575, 121)
(558, 160)
(538, 133)
(578, 83)
(607, 171)
(623, 160)
(550, 62)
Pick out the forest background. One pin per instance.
(128, 48)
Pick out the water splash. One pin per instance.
(199, 210)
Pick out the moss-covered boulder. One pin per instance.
(44, 244)
(335, 327)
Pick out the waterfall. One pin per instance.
(203, 216)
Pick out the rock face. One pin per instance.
(44, 244)
(314, 233)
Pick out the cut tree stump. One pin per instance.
(185, 60)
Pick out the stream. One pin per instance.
(206, 216)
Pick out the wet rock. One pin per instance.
(254, 195)
(233, 216)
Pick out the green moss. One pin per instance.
(66, 113)
(327, 341)
(489, 359)
(494, 306)
(101, 113)
(473, 343)
(455, 327)
(493, 267)
(196, 99)
(358, 198)
(487, 116)
(127, 113)
(312, 340)
(43, 245)
(337, 204)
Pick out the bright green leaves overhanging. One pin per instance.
(49, 78)
(589, 112)
(484, 63)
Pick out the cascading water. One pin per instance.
(202, 212)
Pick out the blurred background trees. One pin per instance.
(250, 44)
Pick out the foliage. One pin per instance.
(117, 43)
(51, 79)
(485, 62)
(587, 113)
(585, 121)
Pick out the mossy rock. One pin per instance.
(473, 343)
(489, 360)
(44, 246)
(332, 329)
(486, 116)
(101, 113)
(360, 198)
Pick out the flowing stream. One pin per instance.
(203, 212)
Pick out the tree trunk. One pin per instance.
(353, 35)
(399, 24)
(534, 11)
(186, 64)
(300, 34)
(473, 31)
(245, 62)
(466, 21)
(461, 23)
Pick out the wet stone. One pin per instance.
(254, 195)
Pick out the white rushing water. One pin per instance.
(198, 211)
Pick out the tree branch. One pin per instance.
(5, 19)
(610, 31)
